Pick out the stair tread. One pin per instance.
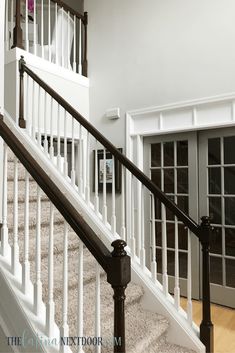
(138, 321)
(162, 346)
(21, 191)
(89, 270)
(73, 240)
(45, 215)
(21, 171)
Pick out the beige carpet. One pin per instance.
(145, 331)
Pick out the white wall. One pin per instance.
(148, 53)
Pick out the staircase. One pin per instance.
(145, 331)
(65, 285)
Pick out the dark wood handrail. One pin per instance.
(71, 10)
(188, 221)
(61, 202)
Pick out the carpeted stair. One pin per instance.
(145, 331)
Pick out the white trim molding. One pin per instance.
(200, 114)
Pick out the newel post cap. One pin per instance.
(119, 248)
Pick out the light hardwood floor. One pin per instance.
(224, 325)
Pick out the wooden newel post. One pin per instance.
(22, 122)
(119, 275)
(206, 327)
(17, 32)
(84, 61)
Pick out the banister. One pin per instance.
(187, 220)
(18, 32)
(117, 264)
(61, 202)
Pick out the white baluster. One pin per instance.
(96, 199)
(68, 45)
(153, 233)
(104, 212)
(45, 121)
(80, 48)
(7, 42)
(81, 163)
(142, 247)
(26, 102)
(164, 251)
(84, 162)
(38, 283)
(35, 39)
(26, 263)
(42, 27)
(123, 208)
(133, 246)
(12, 22)
(74, 44)
(64, 330)
(189, 282)
(87, 190)
(73, 173)
(34, 106)
(177, 287)
(65, 145)
(49, 30)
(113, 219)
(58, 139)
(27, 105)
(50, 309)
(62, 38)
(51, 112)
(97, 307)
(56, 33)
(80, 296)
(5, 247)
(15, 247)
(40, 110)
(139, 218)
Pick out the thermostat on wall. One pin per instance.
(113, 113)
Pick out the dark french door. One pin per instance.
(197, 171)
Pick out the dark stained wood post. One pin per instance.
(22, 122)
(206, 327)
(84, 61)
(17, 32)
(119, 276)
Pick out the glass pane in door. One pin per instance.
(169, 171)
(221, 207)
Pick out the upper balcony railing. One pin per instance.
(49, 29)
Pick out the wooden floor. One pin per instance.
(224, 325)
